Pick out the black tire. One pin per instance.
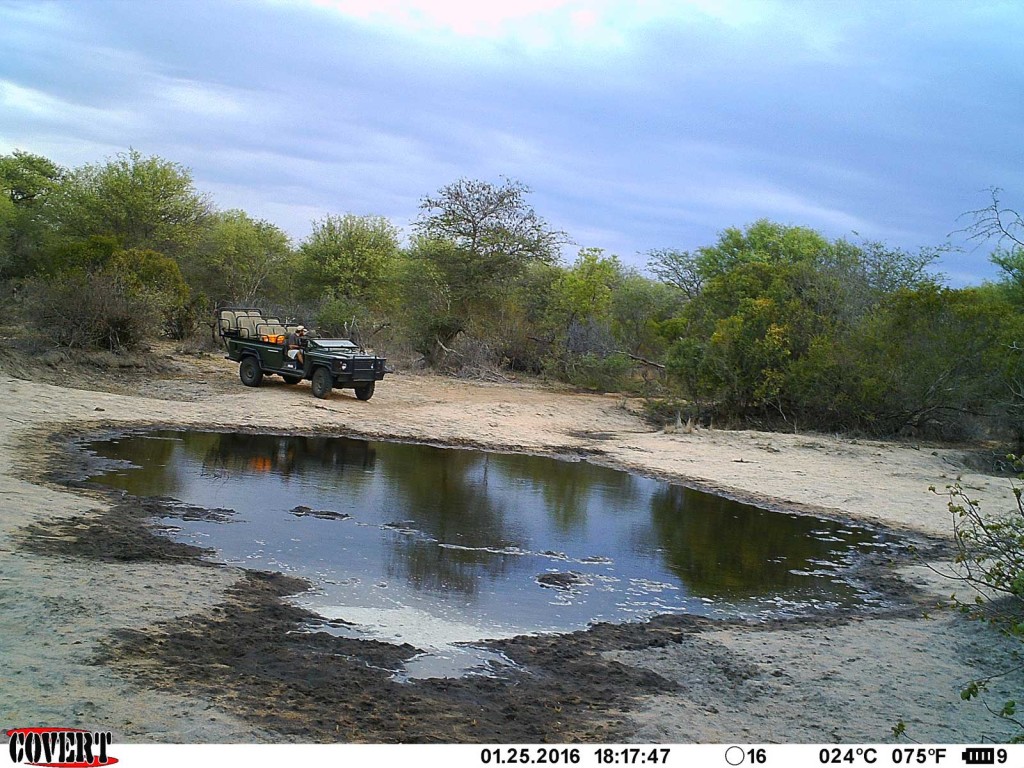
(249, 372)
(323, 383)
(365, 391)
(291, 379)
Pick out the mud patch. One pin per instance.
(321, 514)
(249, 656)
(254, 656)
(123, 533)
(562, 580)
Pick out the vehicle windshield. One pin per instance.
(346, 344)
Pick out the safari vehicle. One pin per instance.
(259, 345)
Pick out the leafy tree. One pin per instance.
(1011, 262)
(585, 291)
(1005, 226)
(494, 230)
(679, 269)
(524, 331)
(1004, 360)
(143, 202)
(885, 270)
(584, 351)
(494, 236)
(764, 242)
(744, 332)
(772, 325)
(237, 258)
(112, 298)
(348, 269)
(26, 182)
(9, 231)
(639, 306)
(27, 179)
(474, 241)
(435, 313)
(349, 256)
(926, 356)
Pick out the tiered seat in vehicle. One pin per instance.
(238, 322)
(271, 330)
(248, 325)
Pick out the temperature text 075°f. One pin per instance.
(869, 755)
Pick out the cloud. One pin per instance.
(591, 24)
(184, 96)
(50, 111)
(639, 125)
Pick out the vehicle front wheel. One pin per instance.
(322, 383)
(249, 372)
(291, 379)
(364, 391)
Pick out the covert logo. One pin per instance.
(59, 747)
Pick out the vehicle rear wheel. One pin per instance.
(365, 391)
(249, 372)
(322, 383)
(291, 379)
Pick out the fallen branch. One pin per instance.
(643, 360)
(449, 351)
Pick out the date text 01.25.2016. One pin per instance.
(573, 756)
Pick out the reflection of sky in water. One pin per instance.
(449, 545)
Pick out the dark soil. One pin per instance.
(124, 533)
(247, 656)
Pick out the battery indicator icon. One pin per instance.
(979, 756)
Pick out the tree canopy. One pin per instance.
(771, 324)
(143, 202)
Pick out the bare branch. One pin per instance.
(994, 221)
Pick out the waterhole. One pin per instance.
(441, 548)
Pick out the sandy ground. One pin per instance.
(850, 679)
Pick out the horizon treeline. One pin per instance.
(772, 325)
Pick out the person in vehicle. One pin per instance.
(293, 344)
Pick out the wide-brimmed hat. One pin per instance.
(300, 329)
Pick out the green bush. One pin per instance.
(990, 559)
(600, 374)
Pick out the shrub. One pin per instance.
(990, 559)
(601, 374)
(93, 311)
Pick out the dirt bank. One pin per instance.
(112, 630)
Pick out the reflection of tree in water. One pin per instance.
(717, 546)
(452, 498)
(429, 567)
(284, 456)
(222, 455)
(153, 474)
(567, 488)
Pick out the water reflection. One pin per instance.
(220, 453)
(731, 549)
(507, 543)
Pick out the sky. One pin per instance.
(638, 125)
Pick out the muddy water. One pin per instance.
(435, 546)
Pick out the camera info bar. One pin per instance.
(578, 755)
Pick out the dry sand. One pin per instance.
(848, 680)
